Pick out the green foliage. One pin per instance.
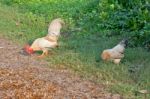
(95, 16)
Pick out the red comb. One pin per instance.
(28, 49)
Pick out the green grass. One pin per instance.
(80, 54)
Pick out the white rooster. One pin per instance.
(49, 41)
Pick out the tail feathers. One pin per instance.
(55, 27)
(106, 55)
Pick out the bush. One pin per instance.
(95, 16)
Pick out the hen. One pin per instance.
(116, 53)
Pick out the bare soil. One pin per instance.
(24, 77)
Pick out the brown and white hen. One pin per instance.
(116, 53)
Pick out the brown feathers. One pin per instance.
(105, 55)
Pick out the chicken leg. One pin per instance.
(45, 53)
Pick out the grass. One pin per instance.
(80, 54)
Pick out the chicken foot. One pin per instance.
(45, 53)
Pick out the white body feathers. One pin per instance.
(43, 44)
(49, 41)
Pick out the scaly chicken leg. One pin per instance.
(45, 53)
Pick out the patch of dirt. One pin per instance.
(24, 77)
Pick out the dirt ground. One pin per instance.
(24, 77)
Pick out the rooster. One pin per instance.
(49, 41)
(116, 53)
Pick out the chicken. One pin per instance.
(116, 53)
(49, 41)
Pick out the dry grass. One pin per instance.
(22, 84)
